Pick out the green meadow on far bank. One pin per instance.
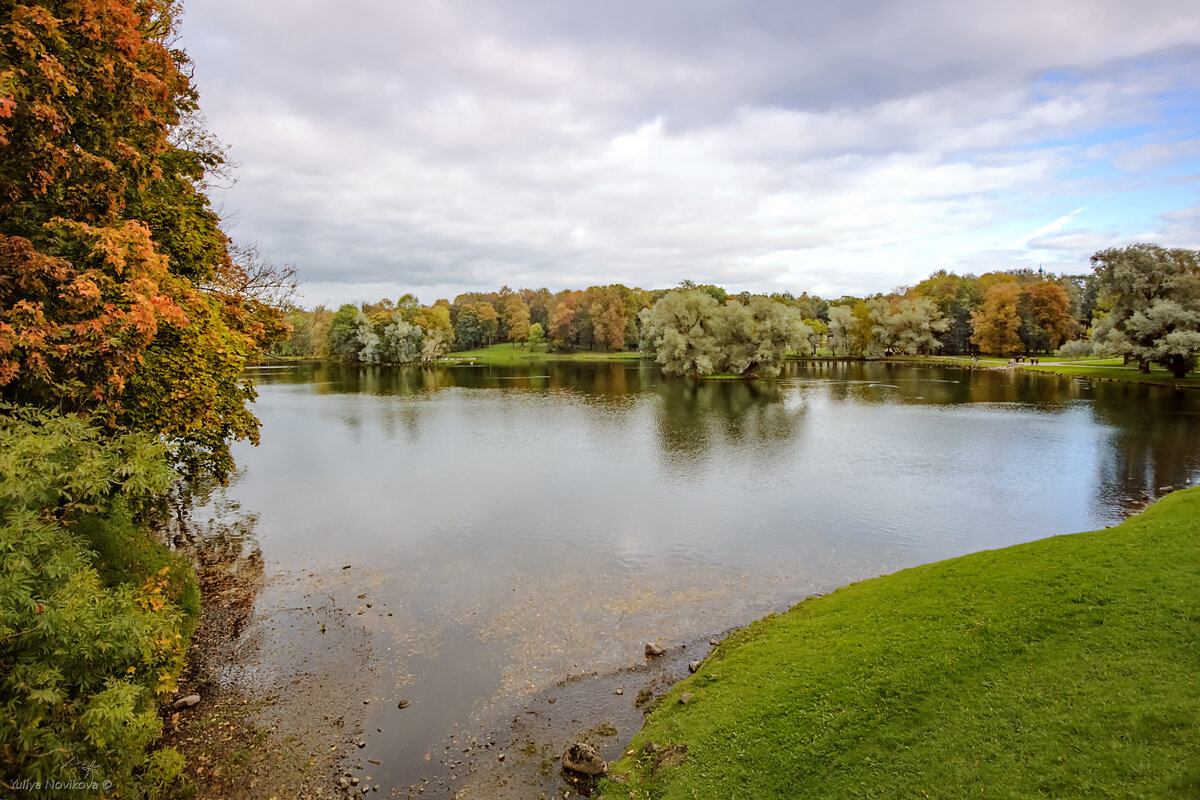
(1105, 369)
(508, 354)
(983, 362)
(1114, 370)
(1065, 667)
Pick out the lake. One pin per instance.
(464, 538)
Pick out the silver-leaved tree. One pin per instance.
(1153, 299)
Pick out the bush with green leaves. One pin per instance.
(89, 644)
(1079, 348)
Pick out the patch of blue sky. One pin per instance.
(1134, 213)
(1146, 204)
(1180, 113)
(1186, 167)
(1182, 165)
(1059, 75)
(1087, 138)
(1090, 170)
(1048, 86)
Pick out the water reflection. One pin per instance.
(695, 417)
(604, 379)
(209, 526)
(509, 526)
(1154, 440)
(881, 382)
(1149, 435)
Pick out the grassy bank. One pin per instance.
(1104, 369)
(983, 362)
(509, 354)
(1114, 370)
(1066, 667)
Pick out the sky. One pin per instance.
(439, 146)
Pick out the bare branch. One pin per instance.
(253, 276)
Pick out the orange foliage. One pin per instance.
(72, 332)
(997, 321)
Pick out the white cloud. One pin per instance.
(1047, 228)
(442, 147)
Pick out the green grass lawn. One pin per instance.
(508, 354)
(1110, 369)
(1087, 362)
(1067, 667)
(1113, 370)
(982, 361)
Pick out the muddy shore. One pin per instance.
(322, 680)
(293, 721)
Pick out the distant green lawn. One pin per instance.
(1067, 667)
(1087, 362)
(982, 361)
(1114, 370)
(508, 354)
(1111, 369)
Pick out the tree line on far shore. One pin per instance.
(1142, 302)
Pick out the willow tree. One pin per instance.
(757, 335)
(690, 333)
(841, 329)
(681, 331)
(1153, 295)
(913, 325)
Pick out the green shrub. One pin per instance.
(129, 552)
(86, 654)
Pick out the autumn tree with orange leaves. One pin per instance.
(124, 326)
(117, 291)
(997, 323)
(1017, 317)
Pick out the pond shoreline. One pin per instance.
(246, 741)
(873, 658)
(508, 620)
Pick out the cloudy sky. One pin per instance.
(441, 146)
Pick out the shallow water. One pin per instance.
(512, 526)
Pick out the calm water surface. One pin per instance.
(511, 526)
